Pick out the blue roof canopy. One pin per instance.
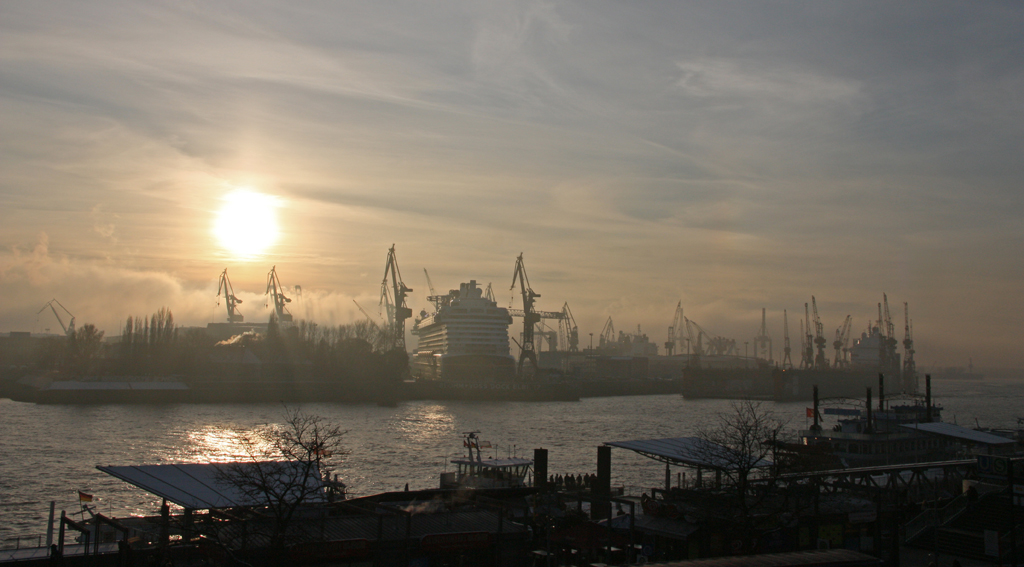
(203, 486)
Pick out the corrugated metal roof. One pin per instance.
(205, 485)
(951, 430)
(692, 451)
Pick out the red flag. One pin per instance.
(810, 413)
(83, 497)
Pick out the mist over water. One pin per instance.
(51, 452)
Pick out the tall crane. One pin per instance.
(807, 360)
(367, 315)
(224, 286)
(541, 328)
(819, 338)
(694, 344)
(548, 335)
(891, 342)
(676, 331)
(607, 332)
(530, 317)
(275, 293)
(787, 362)
(909, 366)
(763, 342)
(842, 335)
(434, 298)
(393, 299)
(69, 329)
(568, 331)
(430, 284)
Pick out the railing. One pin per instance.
(17, 542)
(934, 517)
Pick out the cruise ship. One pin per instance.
(464, 340)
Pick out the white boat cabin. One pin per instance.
(488, 473)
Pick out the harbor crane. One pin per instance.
(434, 298)
(819, 339)
(541, 326)
(763, 342)
(716, 345)
(530, 317)
(890, 344)
(69, 329)
(807, 359)
(567, 330)
(607, 332)
(787, 361)
(393, 299)
(842, 337)
(676, 332)
(694, 346)
(275, 293)
(367, 315)
(909, 366)
(430, 284)
(224, 287)
(547, 335)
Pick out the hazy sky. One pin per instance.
(731, 155)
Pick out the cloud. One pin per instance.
(729, 80)
(637, 153)
(105, 294)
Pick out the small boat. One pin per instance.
(474, 471)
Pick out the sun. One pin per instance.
(246, 225)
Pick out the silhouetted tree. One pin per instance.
(742, 442)
(281, 470)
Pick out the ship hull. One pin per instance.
(463, 368)
(728, 383)
(494, 391)
(798, 384)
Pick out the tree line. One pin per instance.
(154, 346)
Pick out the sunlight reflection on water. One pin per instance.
(50, 452)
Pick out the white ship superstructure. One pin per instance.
(466, 339)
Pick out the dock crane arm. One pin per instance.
(275, 292)
(819, 338)
(607, 332)
(365, 314)
(695, 346)
(530, 317)
(568, 326)
(394, 300)
(69, 329)
(841, 334)
(787, 361)
(430, 284)
(224, 286)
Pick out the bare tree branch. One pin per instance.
(283, 468)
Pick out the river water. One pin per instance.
(50, 452)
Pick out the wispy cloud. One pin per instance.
(732, 155)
